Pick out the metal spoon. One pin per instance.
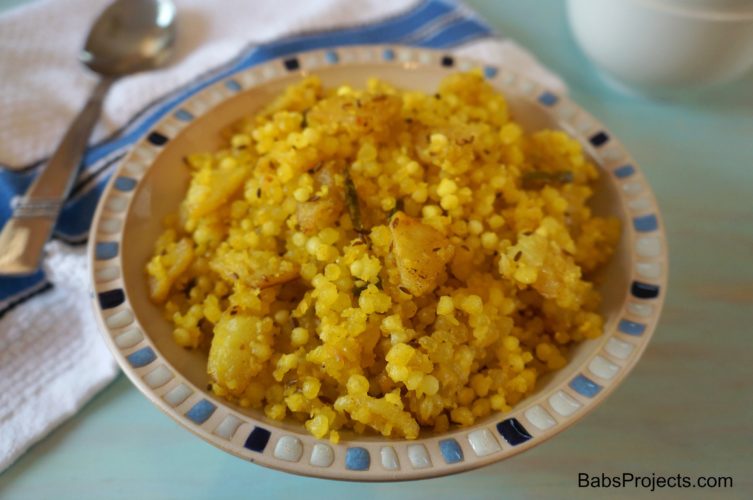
(128, 36)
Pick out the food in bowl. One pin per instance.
(384, 259)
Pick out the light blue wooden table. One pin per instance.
(687, 408)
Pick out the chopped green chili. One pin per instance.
(537, 179)
(353, 203)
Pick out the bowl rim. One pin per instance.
(529, 423)
(703, 10)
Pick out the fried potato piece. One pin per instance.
(324, 211)
(257, 269)
(212, 188)
(421, 253)
(172, 259)
(240, 347)
(315, 215)
(359, 114)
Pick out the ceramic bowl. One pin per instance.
(662, 46)
(151, 181)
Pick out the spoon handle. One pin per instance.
(24, 235)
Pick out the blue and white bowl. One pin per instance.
(150, 183)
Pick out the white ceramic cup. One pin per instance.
(665, 45)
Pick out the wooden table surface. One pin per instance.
(687, 408)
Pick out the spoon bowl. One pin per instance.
(130, 36)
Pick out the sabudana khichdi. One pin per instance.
(384, 259)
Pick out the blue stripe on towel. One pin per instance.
(15, 290)
(461, 30)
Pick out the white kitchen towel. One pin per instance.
(52, 359)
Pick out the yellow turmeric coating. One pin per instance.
(384, 259)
